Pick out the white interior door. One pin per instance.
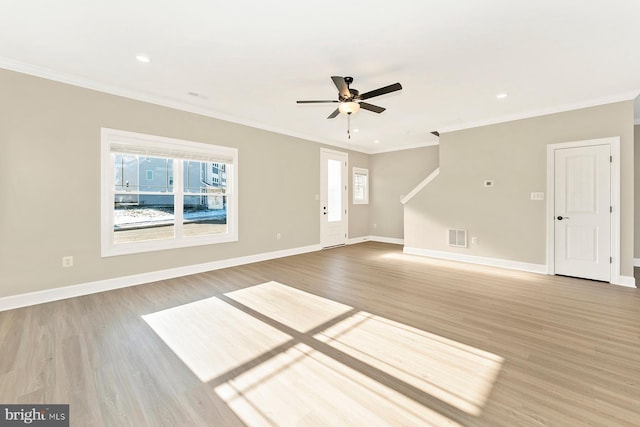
(582, 212)
(333, 198)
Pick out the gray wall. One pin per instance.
(508, 224)
(636, 137)
(359, 214)
(392, 176)
(50, 181)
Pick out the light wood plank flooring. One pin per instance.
(359, 335)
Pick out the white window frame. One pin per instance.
(365, 200)
(157, 146)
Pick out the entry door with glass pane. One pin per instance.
(333, 198)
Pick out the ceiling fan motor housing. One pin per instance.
(354, 95)
(354, 92)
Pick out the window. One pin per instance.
(160, 193)
(360, 186)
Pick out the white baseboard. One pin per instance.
(386, 240)
(502, 263)
(472, 259)
(357, 240)
(55, 294)
(627, 281)
(380, 239)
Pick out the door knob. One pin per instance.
(560, 217)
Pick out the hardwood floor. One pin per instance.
(359, 335)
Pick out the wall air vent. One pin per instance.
(458, 238)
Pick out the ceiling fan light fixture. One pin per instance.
(349, 107)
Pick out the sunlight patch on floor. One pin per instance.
(297, 309)
(212, 337)
(455, 373)
(302, 386)
(339, 367)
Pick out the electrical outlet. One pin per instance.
(67, 261)
(375, 226)
(475, 240)
(278, 236)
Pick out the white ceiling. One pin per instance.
(249, 61)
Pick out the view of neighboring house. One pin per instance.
(147, 183)
(213, 176)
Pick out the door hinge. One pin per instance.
(610, 260)
(610, 209)
(610, 159)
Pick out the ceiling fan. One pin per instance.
(350, 100)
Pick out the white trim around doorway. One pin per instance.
(614, 144)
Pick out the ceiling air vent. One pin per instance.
(458, 238)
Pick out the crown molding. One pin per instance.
(626, 96)
(83, 82)
(86, 83)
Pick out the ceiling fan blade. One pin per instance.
(383, 90)
(371, 107)
(334, 114)
(316, 102)
(342, 86)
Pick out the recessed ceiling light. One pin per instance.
(143, 58)
(377, 141)
(356, 130)
(501, 95)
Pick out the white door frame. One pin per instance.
(614, 144)
(345, 196)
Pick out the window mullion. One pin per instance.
(178, 197)
(111, 180)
